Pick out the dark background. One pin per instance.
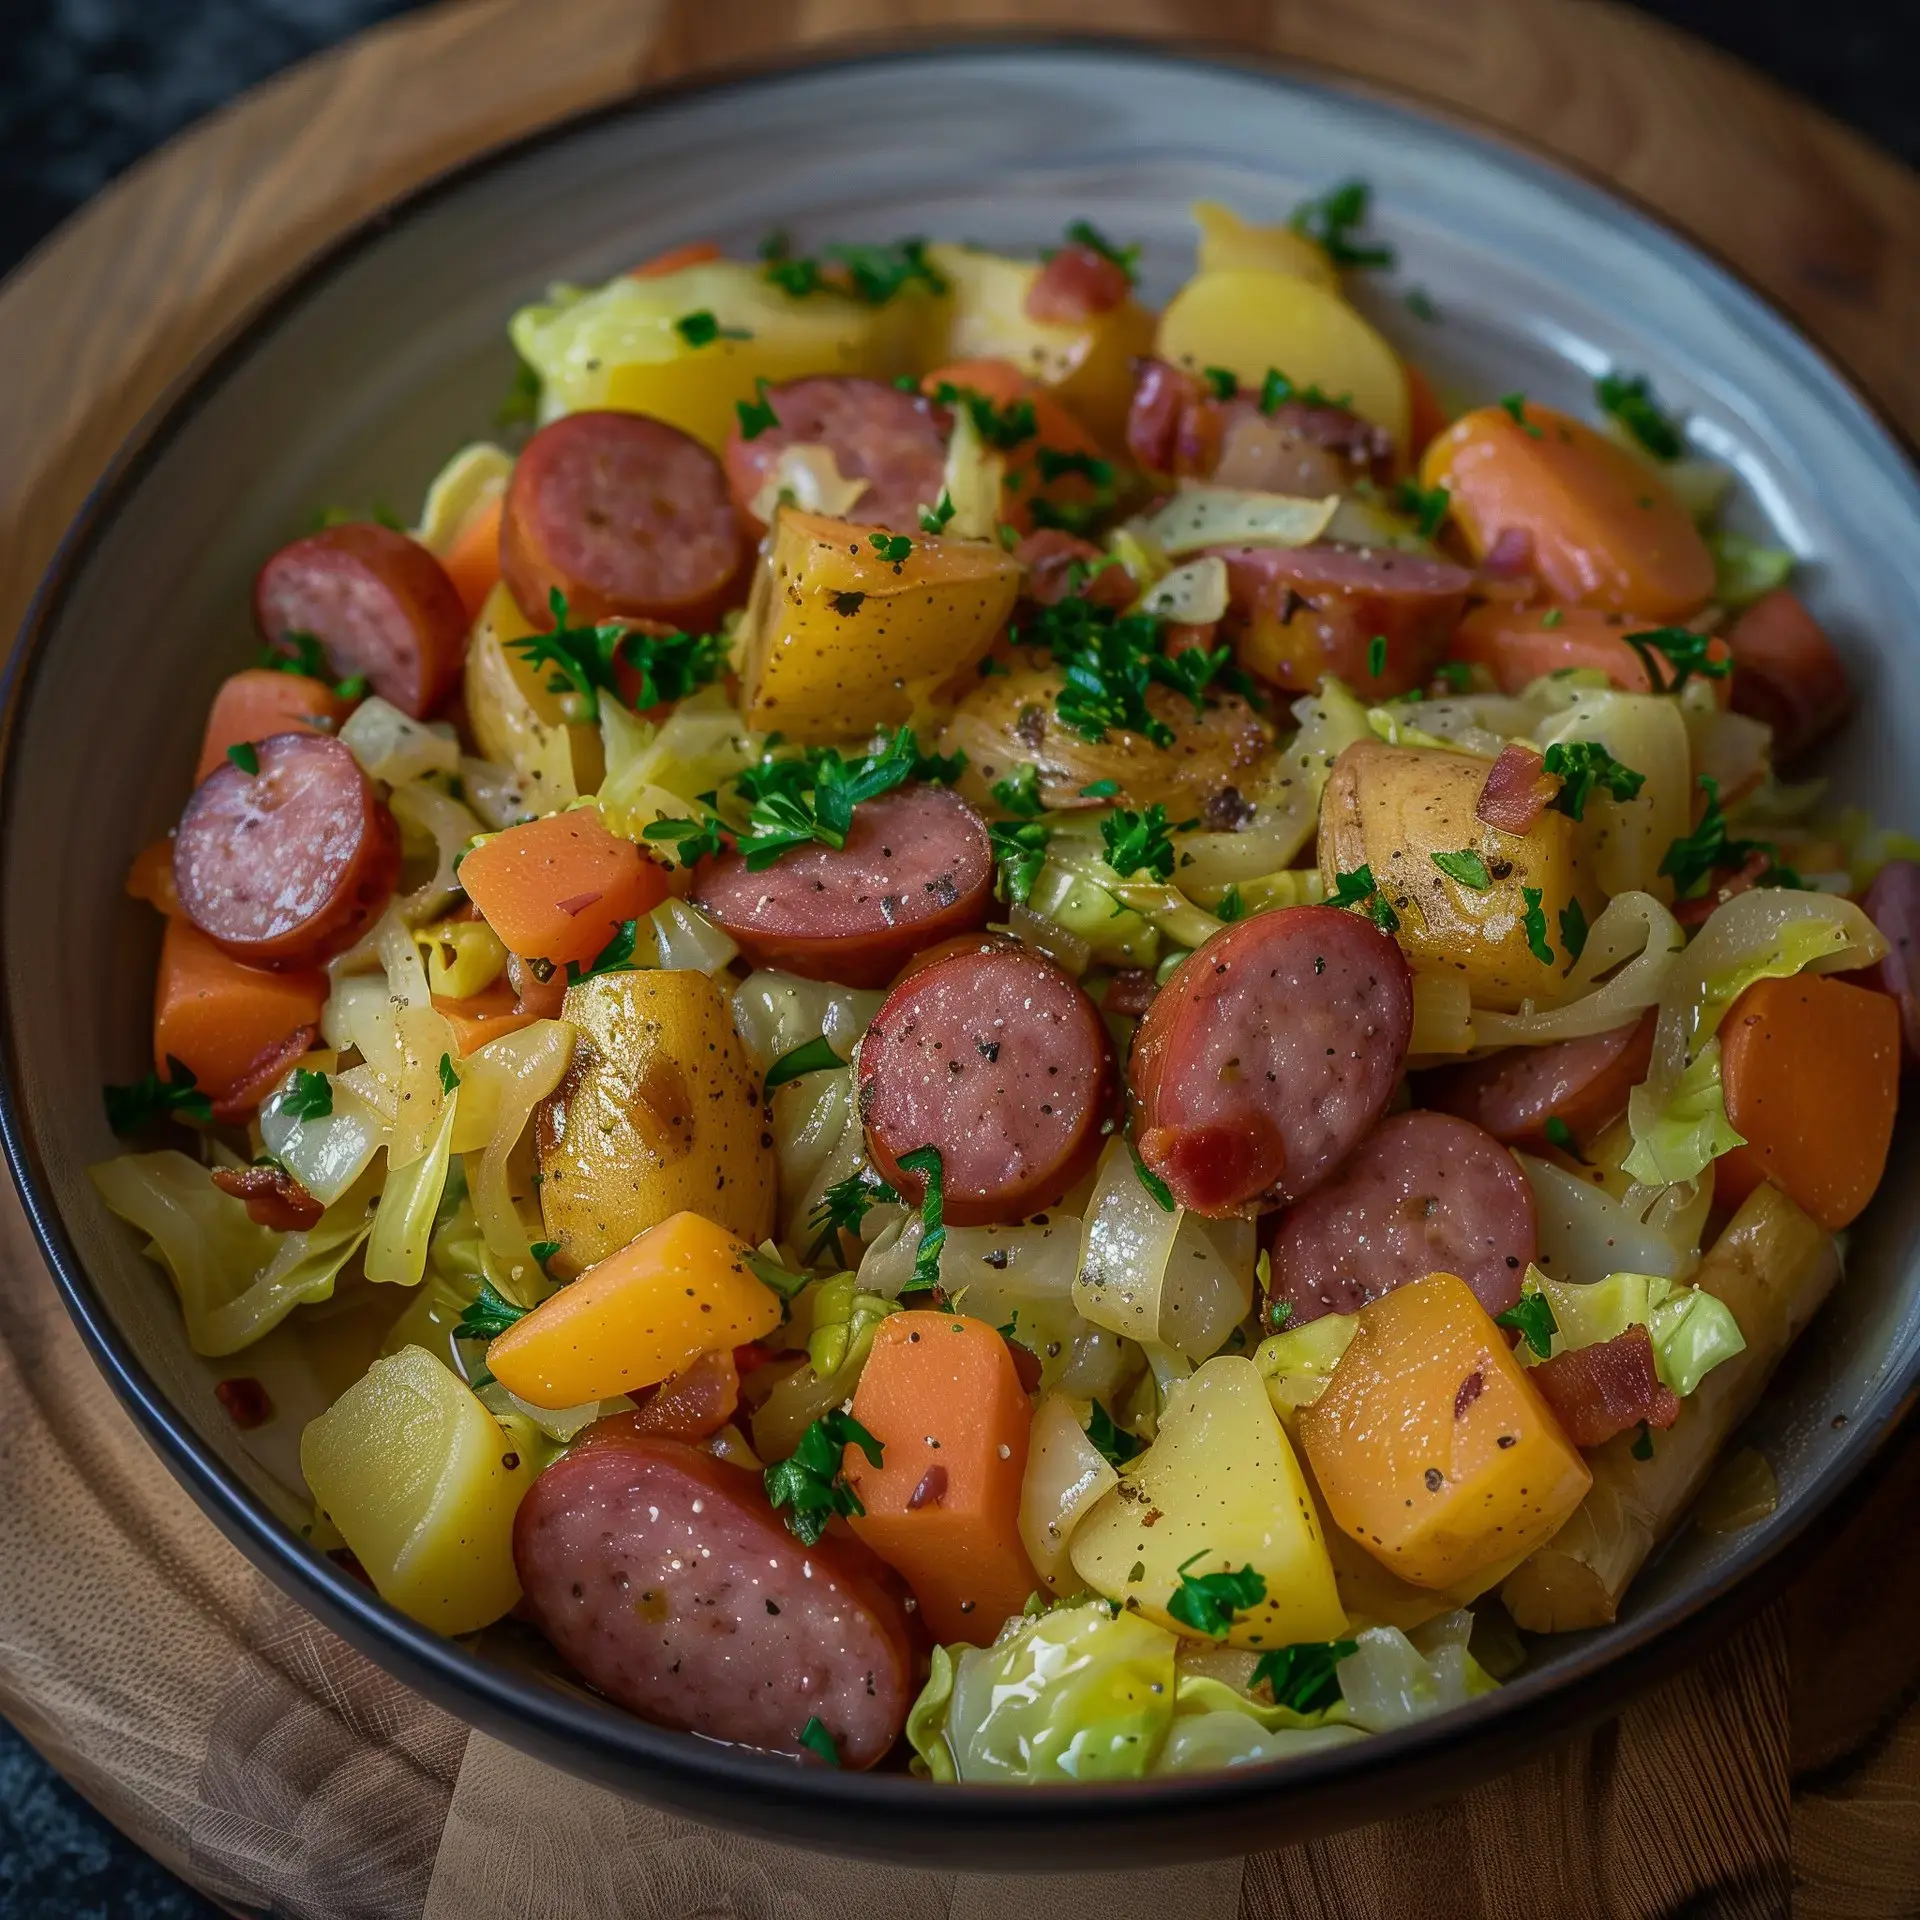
(88, 86)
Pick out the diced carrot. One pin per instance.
(473, 560)
(1427, 418)
(487, 1015)
(150, 878)
(1517, 645)
(1058, 430)
(694, 253)
(940, 1394)
(261, 702)
(218, 1017)
(559, 887)
(1606, 531)
(1811, 1071)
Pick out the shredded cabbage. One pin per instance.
(807, 476)
(394, 747)
(1692, 1330)
(1624, 841)
(409, 1205)
(1127, 1244)
(1298, 1363)
(1635, 929)
(1744, 570)
(1203, 516)
(1393, 1679)
(1587, 1232)
(1195, 594)
(494, 792)
(973, 481)
(326, 1155)
(544, 1052)
(654, 771)
(431, 821)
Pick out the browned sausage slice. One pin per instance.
(1268, 1056)
(1517, 1092)
(999, 1060)
(379, 604)
(896, 442)
(917, 868)
(1295, 613)
(290, 865)
(1425, 1193)
(1787, 673)
(624, 515)
(664, 1577)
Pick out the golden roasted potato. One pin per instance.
(516, 718)
(1228, 242)
(1392, 809)
(839, 639)
(660, 1113)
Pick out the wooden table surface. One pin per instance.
(1791, 1759)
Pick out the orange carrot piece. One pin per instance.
(1517, 645)
(1059, 431)
(1606, 530)
(261, 702)
(473, 561)
(940, 1394)
(558, 888)
(1811, 1070)
(218, 1017)
(487, 1015)
(695, 253)
(150, 878)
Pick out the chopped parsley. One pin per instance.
(933, 1230)
(844, 1205)
(809, 1482)
(756, 416)
(1360, 892)
(1573, 930)
(811, 796)
(1535, 924)
(1019, 852)
(309, 1095)
(1552, 618)
(1419, 303)
(1631, 401)
(1276, 390)
(1426, 507)
(300, 652)
(1100, 790)
(521, 405)
(243, 756)
(585, 659)
(1223, 380)
(488, 1315)
(891, 547)
(1231, 907)
(1673, 655)
(1001, 427)
(1334, 220)
(1516, 405)
(1583, 765)
(1019, 792)
(1158, 1188)
(1302, 1676)
(934, 519)
(1560, 1135)
(615, 957)
(1208, 1602)
(702, 329)
(129, 1109)
(1138, 842)
(1083, 233)
(816, 1739)
(1531, 1317)
(1113, 1443)
(1376, 656)
(1689, 862)
(872, 274)
(815, 1057)
(689, 841)
(543, 1251)
(1057, 465)
(1456, 675)
(449, 1079)
(1467, 867)
(1642, 1448)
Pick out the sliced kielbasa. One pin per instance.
(1296, 613)
(998, 1059)
(1077, 284)
(1518, 1091)
(917, 867)
(1424, 1193)
(665, 1578)
(287, 866)
(627, 517)
(1787, 673)
(1268, 1056)
(1050, 556)
(379, 604)
(896, 442)
(1893, 905)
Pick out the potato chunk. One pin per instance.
(422, 1484)
(660, 1113)
(1433, 1449)
(516, 716)
(1391, 809)
(1219, 1482)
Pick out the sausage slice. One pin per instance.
(290, 865)
(665, 1578)
(1788, 673)
(917, 868)
(1268, 1056)
(998, 1059)
(1425, 1193)
(1515, 1093)
(1893, 905)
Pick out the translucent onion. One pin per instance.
(1289, 797)
(810, 1115)
(537, 1065)
(1128, 1240)
(1587, 1233)
(489, 1078)
(426, 1039)
(1392, 1680)
(427, 815)
(394, 747)
(1635, 930)
(475, 476)
(685, 940)
(403, 1225)
(326, 1155)
(1066, 1473)
(774, 1013)
(1195, 594)
(1208, 1288)
(1204, 516)
(1624, 841)
(806, 476)
(1046, 936)
(494, 793)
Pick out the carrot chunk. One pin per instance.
(217, 1017)
(559, 888)
(257, 704)
(473, 560)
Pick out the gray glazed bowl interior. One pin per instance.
(393, 352)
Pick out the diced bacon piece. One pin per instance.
(1517, 790)
(1075, 286)
(1598, 1391)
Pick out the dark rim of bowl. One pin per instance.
(1530, 1711)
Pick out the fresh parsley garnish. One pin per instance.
(933, 1230)
(811, 796)
(1535, 923)
(809, 1482)
(844, 1205)
(298, 651)
(309, 1095)
(489, 1314)
(1223, 380)
(1019, 792)
(815, 1057)
(1420, 304)
(1083, 233)
(1376, 656)
(244, 757)
(449, 1079)
(1161, 1193)
(1138, 842)
(129, 1109)
(891, 547)
(1531, 1317)
(1360, 892)
(756, 415)
(585, 658)
(1208, 1602)
(689, 841)
(615, 957)
(1467, 867)
(1019, 852)
(1001, 427)
(1455, 675)
(1057, 465)
(1631, 401)
(816, 1739)
(875, 274)
(1560, 1135)
(1553, 618)
(521, 406)
(543, 1251)
(1426, 507)
(1113, 1443)
(1302, 1676)
(1689, 862)
(1673, 655)
(1642, 1448)
(934, 519)
(1583, 765)
(1334, 219)
(774, 1276)
(702, 329)
(1231, 907)
(1515, 404)
(1573, 930)
(1100, 790)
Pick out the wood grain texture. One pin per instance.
(261, 1788)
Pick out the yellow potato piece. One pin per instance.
(1221, 1481)
(516, 716)
(1248, 320)
(1391, 809)
(681, 1289)
(983, 316)
(1227, 242)
(839, 640)
(1432, 1448)
(422, 1484)
(660, 1113)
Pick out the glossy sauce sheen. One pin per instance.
(1268, 1056)
(667, 1580)
(1425, 1193)
(1000, 1061)
(916, 868)
(289, 866)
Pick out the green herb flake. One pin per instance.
(809, 1483)
(1420, 303)
(816, 1739)
(1359, 892)
(615, 957)
(1467, 867)
(1223, 380)
(1573, 931)
(689, 841)
(891, 547)
(1019, 852)
(1208, 1602)
(1376, 656)
(1426, 507)
(702, 329)
(1455, 675)
(309, 1095)
(1552, 618)
(521, 405)
(811, 796)
(1536, 925)
(1632, 401)
(1138, 842)
(756, 416)
(815, 1057)
(131, 1109)
(1161, 1193)
(1582, 765)
(1113, 1443)
(934, 519)
(1303, 1676)
(1531, 1317)
(845, 1204)
(1673, 655)
(933, 1231)
(1690, 861)
(1275, 391)
(449, 1079)
(1515, 404)
(244, 756)
(1000, 427)
(1100, 790)
(1560, 1135)
(1083, 233)
(1642, 1448)
(488, 1315)
(1231, 907)
(1019, 792)
(1334, 220)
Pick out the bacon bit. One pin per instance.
(1471, 1388)
(1732, 881)
(1130, 992)
(542, 999)
(1152, 1517)
(1049, 555)
(697, 1401)
(246, 1402)
(269, 1068)
(1075, 286)
(1517, 790)
(751, 1357)
(1026, 1363)
(1596, 1392)
(580, 902)
(274, 1197)
(1168, 406)
(931, 1490)
(1511, 553)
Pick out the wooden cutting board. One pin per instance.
(257, 1755)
